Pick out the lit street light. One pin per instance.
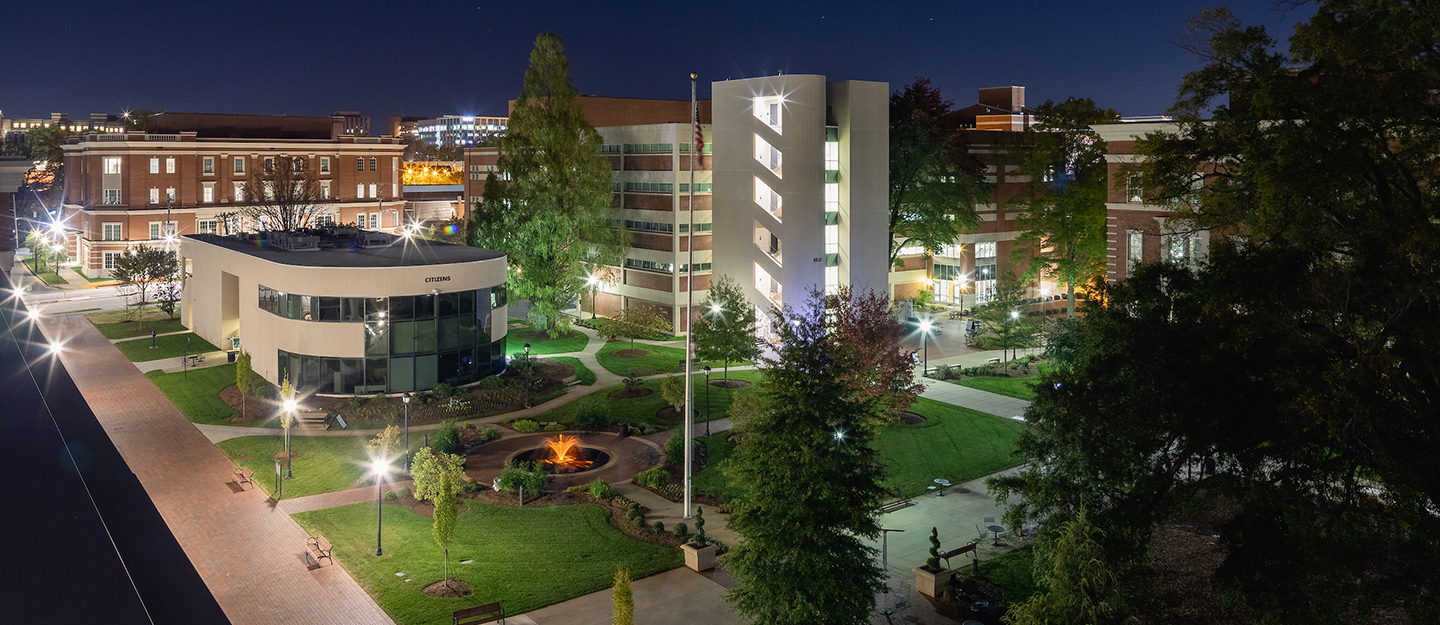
(289, 408)
(380, 468)
(707, 400)
(55, 348)
(594, 287)
(405, 399)
(527, 375)
(925, 345)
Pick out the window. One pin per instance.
(112, 164)
(325, 220)
(984, 249)
(767, 109)
(359, 164)
(372, 191)
(767, 155)
(155, 230)
(108, 259)
(110, 232)
(325, 188)
(154, 195)
(207, 165)
(170, 165)
(297, 164)
(832, 155)
(632, 263)
(208, 193)
(832, 239)
(1134, 249)
(324, 164)
(374, 221)
(372, 164)
(170, 195)
(239, 166)
(112, 197)
(239, 192)
(1134, 190)
(767, 198)
(207, 226)
(155, 165)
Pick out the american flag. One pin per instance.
(699, 152)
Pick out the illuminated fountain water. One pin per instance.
(564, 454)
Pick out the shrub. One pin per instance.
(632, 382)
(527, 474)
(554, 427)
(402, 493)
(675, 448)
(447, 441)
(581, 488)
(700, 537)
(639, 520)
(944, 372)
(378, 399)
(354, 402)
(592, 412)
(601, 489)
(490, 382)
(654, 477)
(490, 434)
(391, 496)
(525, 425)
(442, 390)
(508, 420)
(681, 530)
(673, 389)
(471, 486)
(659, 527)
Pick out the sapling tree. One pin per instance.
(624, 599)
(244, 378)
(427, 469)
(443, 525)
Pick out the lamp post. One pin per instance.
(527, 375)
(185, 362)
(405, 399)
(925, 345)
(594, 286)
(289, 424)
(381, 467)
(707, 400)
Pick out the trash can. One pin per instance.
(231, 356)
(624, 430)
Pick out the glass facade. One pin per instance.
(412, 342)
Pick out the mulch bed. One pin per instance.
(452, 588)
(630, 353)
(626, 393)
(731, 384)
(910, 418)
(669, 413)
(536, 336)
(422, 508)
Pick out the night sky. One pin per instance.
(307, 57)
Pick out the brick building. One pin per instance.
(122, 188)
(1138, 231)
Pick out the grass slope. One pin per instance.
(660, 359)
(541, 343)
(583, 374)
(198, 398)
(524, 558)
(322, 464)
(642, 409)
(172, 346)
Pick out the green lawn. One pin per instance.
(323, 464)
(198, 397)
(642, 409)
(1014, 572)
(131, 329)
(171, 346)
(583, 373)
(541, 343)
(661, 359)
(712, 481)
(524, 558)
(81, 272)
(954, 443)
(1019, 388)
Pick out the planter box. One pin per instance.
(932, 584)
(699, 558)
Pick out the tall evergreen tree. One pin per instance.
(725, 330)
(1063, 226)
(548, 204)
(815, 488)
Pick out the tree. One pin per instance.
(141, 268)
(815, 487)
(635, 322)
(1081, 588)
(167, 298)
(623, 598)
(725, 330)
(386, 444)
(1005, 325)
(442, 527)
(934, 181)
(283, 195)
(1063, 226)
(428, 468)
(673, 390)
(244, 378)
(743, 408)
(548, 206)
(39, 244)
(878, 373)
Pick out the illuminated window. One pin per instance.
(112, 197)
(112, 164)
(154, 165)
(985, 249)
(768, 242)
(767, 155)
(207, 226)
(324, 164)
(208, 193)
(154, 195)
(832, 239)
(832, 156)
(170, 165)
(767, 198)
(239, 164)
(110, 232)
(359, 191)
(170, 195)
(207, 165)
(108, 259)
(767, 285)
(767, 109)
(239, 192)
(325, 188)
(298, 164)
(372, 191)
(1134, 250)
(1134, 191)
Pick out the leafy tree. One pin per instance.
(636, 322)
(624, 599)
(167, 299)
(548, 205)
(1081, 588)
(386, 444)
(39, 244)
(427, 468)
(725, 330)
(814, 435)
(934, 181)
(517, 474)
(673, 390)
(244, 378)
(744, 407)
(877, 371)
(283, 195)
(1005, 325)
(1063, 226)
(141, 268)
(442, 527)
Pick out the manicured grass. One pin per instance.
(954, 443)
(661, 359)
(541, 343)
(637, 410)
(171, 346)
(198, 397)
(1019, 388)
(712, 481)
(583, 374)
(523, 558)
(1014, 572)
(131, 329)
(322, 464)
(81, 272)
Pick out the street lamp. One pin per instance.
(380, 467)
(925, 345)
(290, 423)
(594, 286)
(34, 315)
(707, 400)
(55, 348)
(405, 399)
(527, 375)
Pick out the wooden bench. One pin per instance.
(243, 476)
(488, 613)
(319, 548)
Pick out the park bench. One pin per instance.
(319, 548)
(993, 361)
(488, 613)
(243, 476)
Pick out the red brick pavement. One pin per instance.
(251, 556)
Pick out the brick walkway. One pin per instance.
(250, 555)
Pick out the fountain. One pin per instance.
(564, 454)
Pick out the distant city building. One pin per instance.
(15, 128)
(120, 187)
(1138, 231)
(351, 123)
(405, 125)
(460, 130)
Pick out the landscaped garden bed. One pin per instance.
(1015, 380)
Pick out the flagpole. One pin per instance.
(690, 305)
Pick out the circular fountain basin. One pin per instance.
(598, 459)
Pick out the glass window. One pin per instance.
(352, 309)
(467, 302)
(294, 307)
(425, 337)
(208, 165)
(497, 356)
(402, 308)
(329, 309)
(376, 373)
(424, 307)
(239, 165)
(449, 337)
(449, 369)
(449, 304)
(467, 327)
(402, 337)
(324, 164)
(427, 371)
(402, 375)
(331, 379)
(353, 374)
(307, 313)
(497, 296)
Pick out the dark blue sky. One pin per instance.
(421, 57)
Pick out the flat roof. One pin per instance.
(404, 252)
